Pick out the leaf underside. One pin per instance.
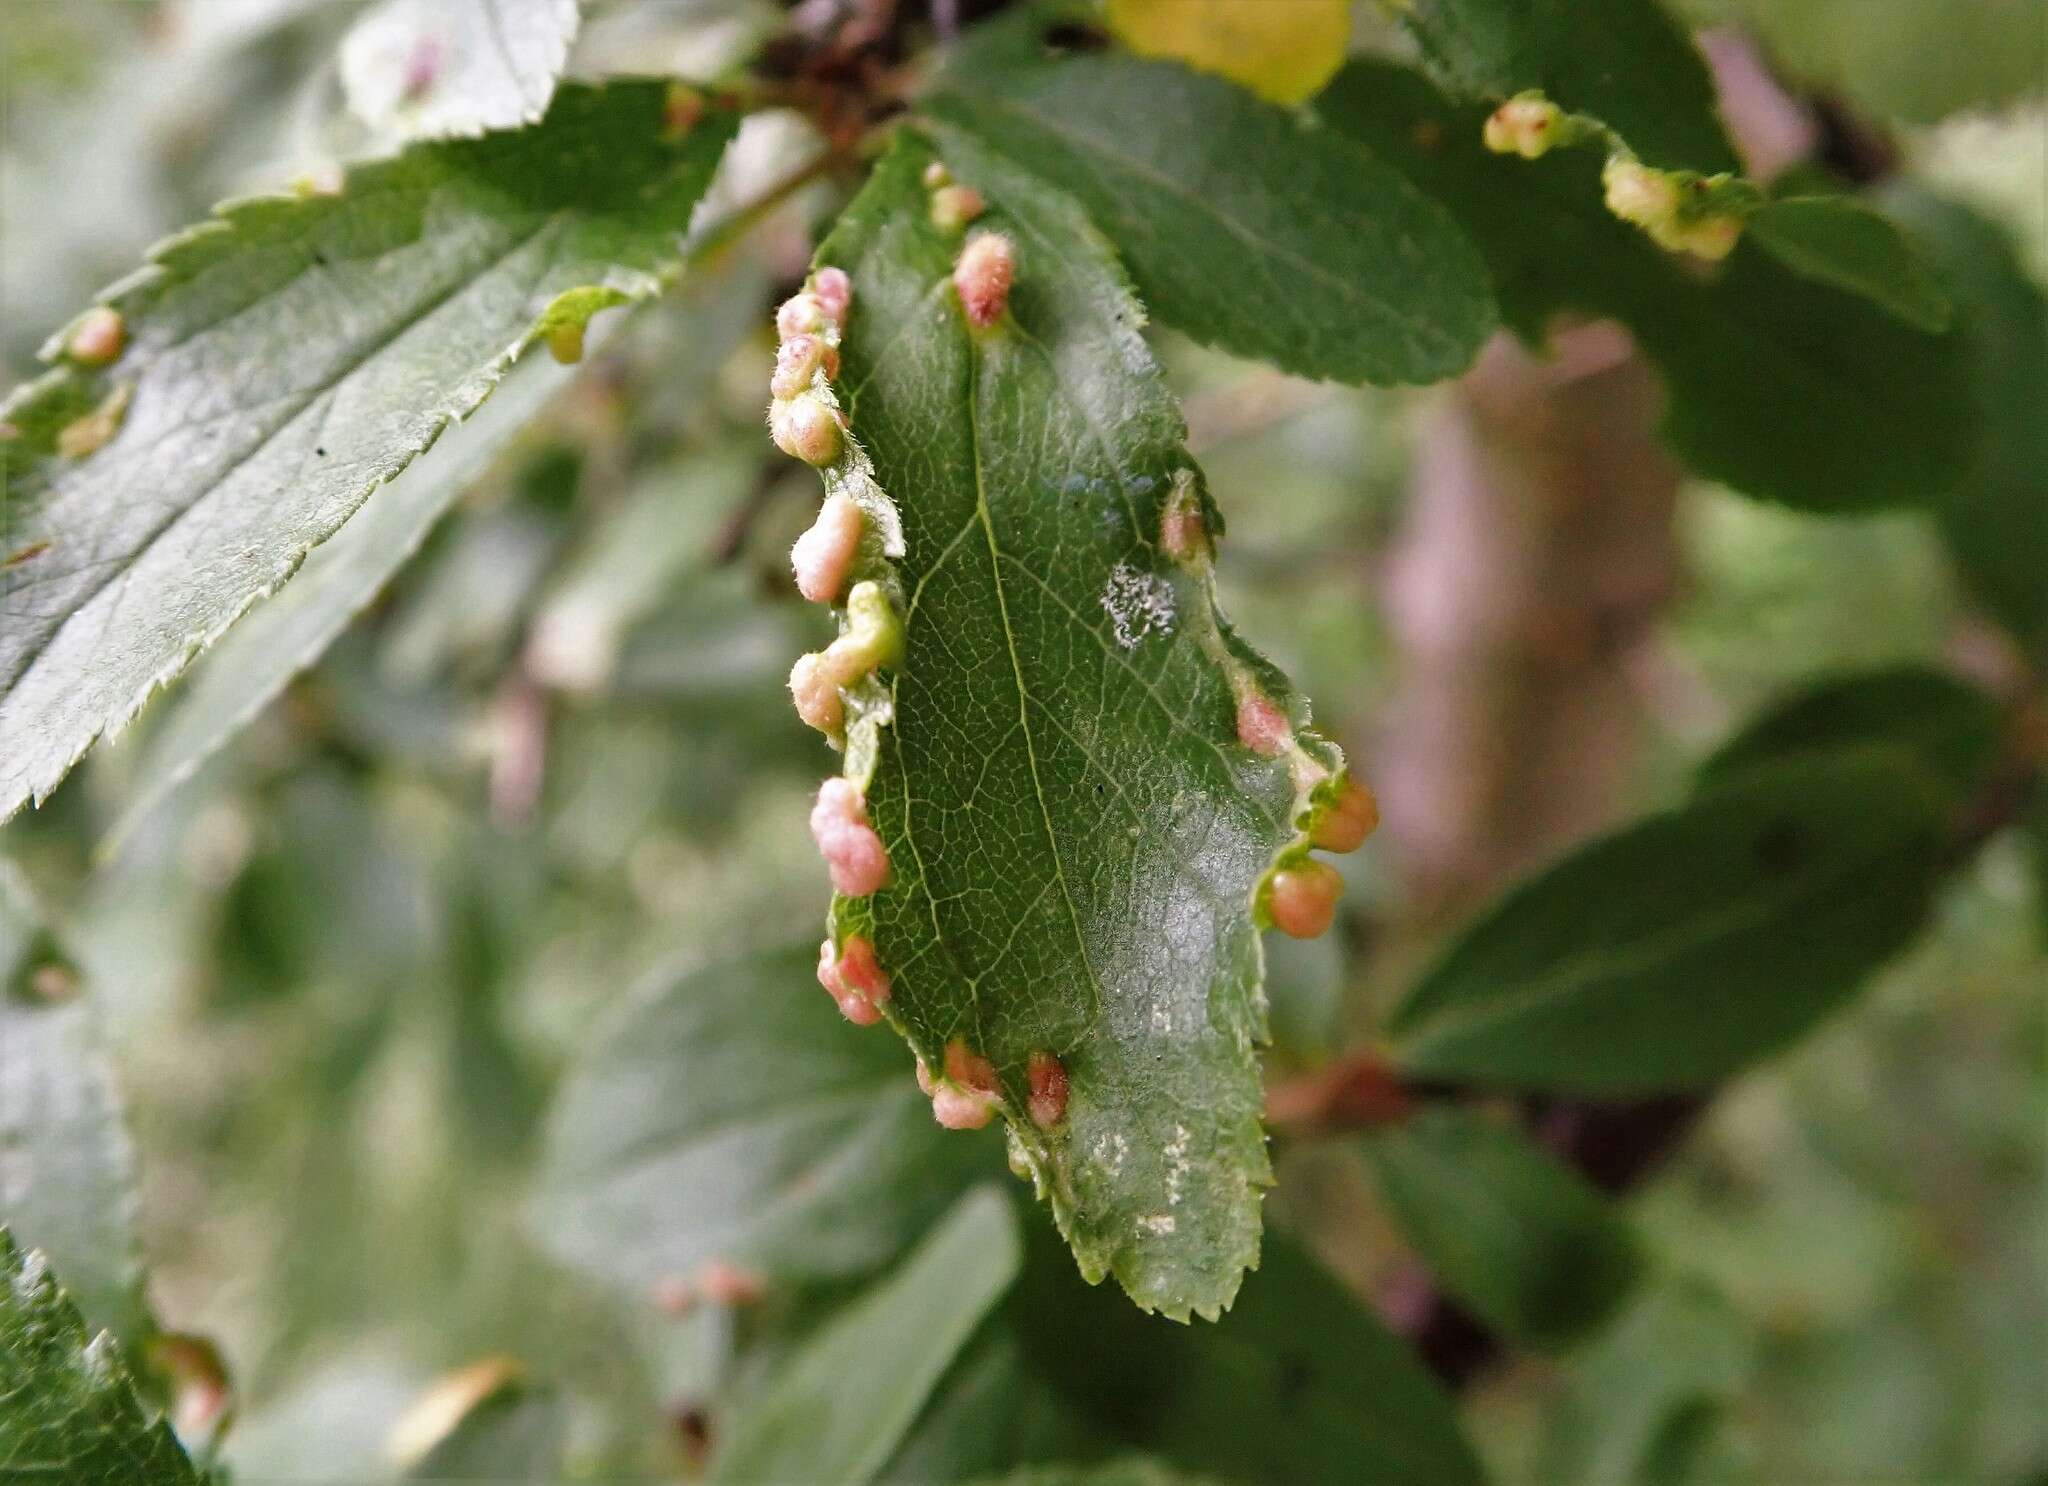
(428, 69)
(1074, 831)
(68, 1410)
(282, 361)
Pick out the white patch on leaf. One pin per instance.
(1137, 604)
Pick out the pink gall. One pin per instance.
(1261, 725)
(823, 556)
(814, 687)
(834, 292)
(803, 427)
(986, 268)
(797, 361)
(961, 1109)
(1348, 819)
(953, 207)
(854, 854)
(98, 337)
(1047, 1102)
(1302, 900)
(801, 314)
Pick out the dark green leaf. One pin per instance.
(1677, 951)
(1243, 223)
(1526, 1243)
(424, 69)
(67, 1171)
(1995, 517)
(68, 1410)
(1779, 386)
(1645, 1402)
(281, 362)
(729, 1113)
(989, 1413)
(1950, 727)
(1130, 1470)
(1336, 1397)
(836, 1410)
(1622, 61)
(517, 1432)
(1074, 830)
(1842, 242)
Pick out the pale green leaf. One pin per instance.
(425, 69)
(68, 1409)
(729, 1113)
(67, 1169)
(1778, 385)
(1534, 1250)
(1129, 1470)
(1244, 224)
(988, 1413)
(1842, 242)
(1622, 61)
(517, 1432)
(257, 658)
(282, 361)
(1677, 951)
(837, 1409)
(1074, 830)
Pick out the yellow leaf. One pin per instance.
(1280, 49)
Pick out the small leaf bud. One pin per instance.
(1525, 125)
(803, 427)
(1302, 900)
(1348, 819)
(834, 292)
(823, 555)
(858, 862)
(1047, 1103)
(983, 275)
(953, 207)
(98, 336)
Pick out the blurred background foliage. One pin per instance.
(346, 967)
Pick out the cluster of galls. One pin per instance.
(1301, 898)
(1669, 205)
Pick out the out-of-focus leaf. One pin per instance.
(424, 69)
(1336, 1396)
(279, 639)
(730, 1113)
(280, 363)
(1075, 832)
(989, 1413)
(1647, 1400)
(67, 1171)
(1243, 224)
(1778, 385)
(1129, 1470)
(1622, 61)
(1281, 52)
(1949, 726)
(1681, 949)
(1526, 1243)
(1995, 518)
(335, 1423)
(68, 1410)
(837, 1409)
(516, 1432)
(1843, 242)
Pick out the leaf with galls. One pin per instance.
(1076, 837)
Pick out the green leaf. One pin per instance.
(1244, 224)
(837, 1409)
(1074, 830)
(282, 361)
(1679, 950)
(1534, 1250)
(1622, 61)
(1129, 1470)
(68, 1410)
(1779, 386)
(257, 659)
(727, 1114)
(516, 1432)
(1949, 727)
(1646, 1401)
(1845, 243)
(1995, 518)
(1337, 1397)
(989, 1413)
(425, 69)
(67, 1170)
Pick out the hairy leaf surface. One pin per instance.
(1074, 830)
(1524, 1241)
(726, 1114)
(1679, 950)
(425, 69)
(67, 1170)
(281, 362)
(1777, 384)
(68, 1409)
(1243, 224)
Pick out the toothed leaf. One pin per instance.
(424, 69)
(1074, 830)
(68, 1409)
(281, 362)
